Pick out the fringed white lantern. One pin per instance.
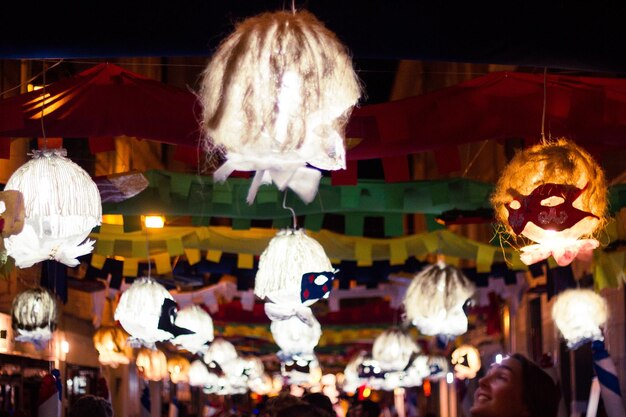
(293, 270)
(152, 364)
(554, 194)
(178, 367)
(266, 385)
(199, 374)
(277, 95)
(142, 311)
(414, 375)
(295, 337)
(62, 205)
(580, 315)
(393, 349)
(220, 351)
(351, 375)
(199, 321)
(435, 298)
(300, 369)
(439, 367)
(466, 362)
(34, 316)
(111, 344)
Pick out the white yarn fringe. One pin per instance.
(579, 314)
(289, 255)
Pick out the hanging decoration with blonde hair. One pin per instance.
(152, 364)
(277, 95)
(553, 194)
(579, 314)
(34, 316)
(393, 349)
(435, 298)
(62, 205)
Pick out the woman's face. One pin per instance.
(500, 392)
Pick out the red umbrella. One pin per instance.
(105, 100)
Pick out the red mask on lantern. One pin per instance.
(558, 218)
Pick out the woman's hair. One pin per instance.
(540, 393)
(91, 406)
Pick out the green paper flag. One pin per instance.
(353, 224)
(350, 196)
(241, 224)
(394, 224)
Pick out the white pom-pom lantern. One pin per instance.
(178, 368)
(294, 337)
(351, 374)
(439, 366)
(393, 350)
(152, 364)
(291, 255)
(277, 95)
(140, 309)
(466, 362)
(199, 374)
(62, 205)
(34, 316)
(111, 344)
(414, 375)
(199, 321)
(301, 369)
(435, 298)
(579, 315)
(222, 352)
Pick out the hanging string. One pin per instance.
(471, 163)
(43, 107)
(293, 213)
(293, 6)
(148, 251)
(543, 113)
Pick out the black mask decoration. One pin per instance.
(168, 317)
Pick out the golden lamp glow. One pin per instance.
(154, 222)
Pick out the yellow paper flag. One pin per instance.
(398, 252)
(245, 261)
(214, 255)
(97, 261)
(131, 266)
(193, 256)
(363, 252)
(484, 258)
(163, 264)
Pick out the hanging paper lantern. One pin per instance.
(277, 95)
(296, 337)
(147, 311)
(197, 320)
(435, 298)
(62, 205)
(34, 316)
(438, 366)
(111, 344)
(293, 270)
(152, 364)
(554, 194)
(414, 375)
(351, 376)
(300, 369)
(580, 314)
(199, 374)
(466, 362)
(220, 351)
(266, 385)
(393, 349)
(178, 367)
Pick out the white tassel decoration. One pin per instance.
(435, 298)
(289, 255)
(62, 205)
(580, 314)
(393, 350)
(194, 318)
(277, 95)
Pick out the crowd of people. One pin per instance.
(516, 387)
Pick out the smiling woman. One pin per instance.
(516, 387)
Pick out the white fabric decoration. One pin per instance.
(277, 95)
(34, 316)
(580, 314)
(393, 350)
(295, 337)
(351, 378)
(434, 300)
(178, 368)
(220, 351)
(414, 375)
(199, 321)
(139, 311)
(199, 374)
(62, 205)
(305, 368)
(438, 366)
(289, 255)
